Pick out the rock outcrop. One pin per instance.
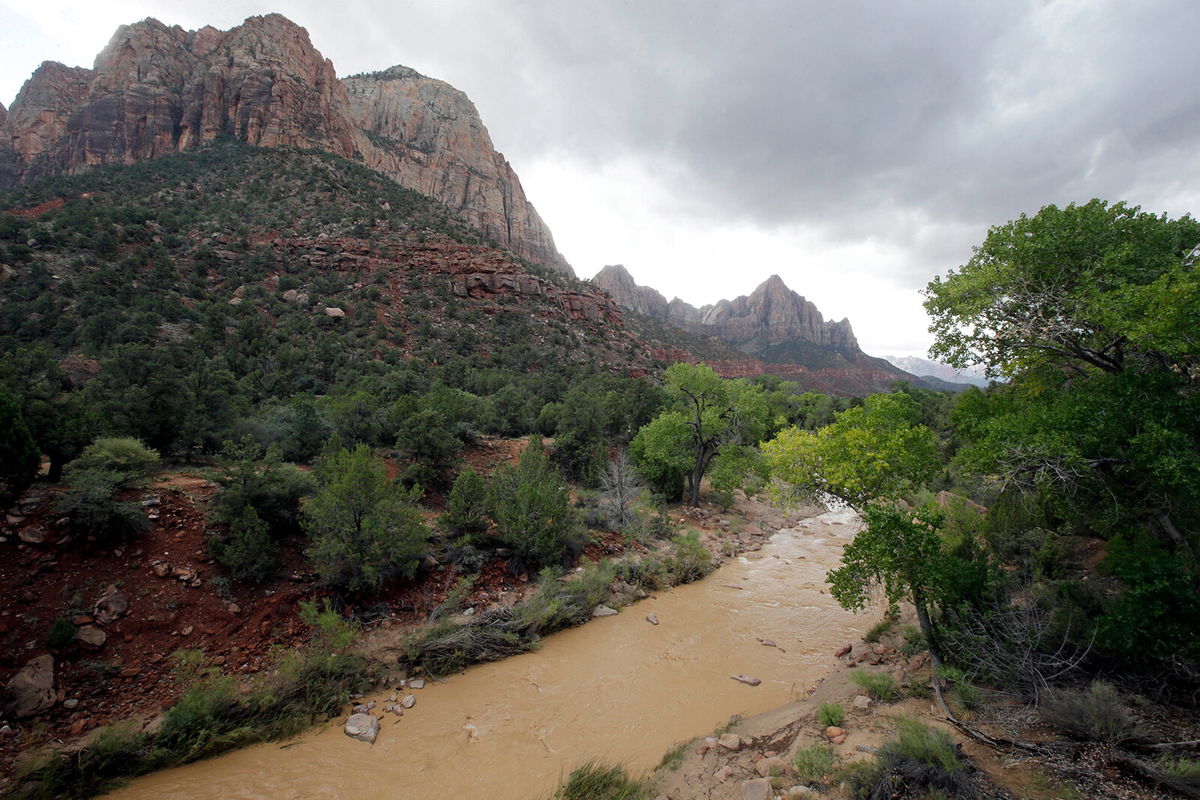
(428, 136)
(158, 89)
(617, 281)
(771, 314)
(781, 332)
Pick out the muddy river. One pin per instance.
(618, 689)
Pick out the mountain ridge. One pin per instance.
(156, 89)
(779, 331)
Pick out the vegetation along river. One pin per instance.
(618, 689)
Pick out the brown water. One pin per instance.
(617, 689)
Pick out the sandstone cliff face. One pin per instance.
(774, 313)
(428, 136)
(157, 89)
(617, 281)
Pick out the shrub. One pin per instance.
(1092, 714)
(594, 781)
(19, 458)
(689, 560)
(830, 714)
(876, 632)
(922, 761)
(531, 508)
(248, 552)
(127, 458)
(364, 530)
(877, 684)
(813, 763)
(250, 478)
(914, 641)
(466, 507)
(60, 634)
(91, 505)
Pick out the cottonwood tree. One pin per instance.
(1090, 311)
(708, 413)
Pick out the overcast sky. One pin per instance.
(856, 149)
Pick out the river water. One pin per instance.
(617, 689)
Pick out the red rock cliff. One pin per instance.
(157, 89)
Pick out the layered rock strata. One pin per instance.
(158, 89)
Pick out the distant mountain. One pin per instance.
(778, 330)
(158, 89)
(933, 369)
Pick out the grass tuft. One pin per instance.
(877, 684)
(593, 781)
(1093, 714)
(813, 763)
(831, 714)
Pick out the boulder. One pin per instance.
(861, 702)
(363, 727)
(757, 789)
(111, 606)
(770, 766)
(416, 683)
(844, 650)
(604, 611)
(337, 313)
(746, 679)
(409, 701)
(91, 637)
(730, 741)
(31, 691)
(652, 619)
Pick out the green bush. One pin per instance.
(1180, 769)
(531, 508)
(90, 504)
(248, 552)
(813, 763)
(830, 713)
(914, 641)
(877, 684)
(127, 458)
(250, 478)
(920, 762)
(19, 458)
(689, 560)
(594, 781)
(364, 530)
(61, 634)
(466, 507)
(1093, 714)
(673, 758)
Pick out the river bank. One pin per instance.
(619, 689)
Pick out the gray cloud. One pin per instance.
(849, 116)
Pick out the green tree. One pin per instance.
(532, 511)
(1089, 310)
(900, 551)
(250, 478)
(466, 507)
(1094, 285)
(877, 450)
(708, 413)
(19, 457)
(364, 530)
(248, 552)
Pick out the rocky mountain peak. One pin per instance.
(619, 283)
(157, 89)
(774, 313)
